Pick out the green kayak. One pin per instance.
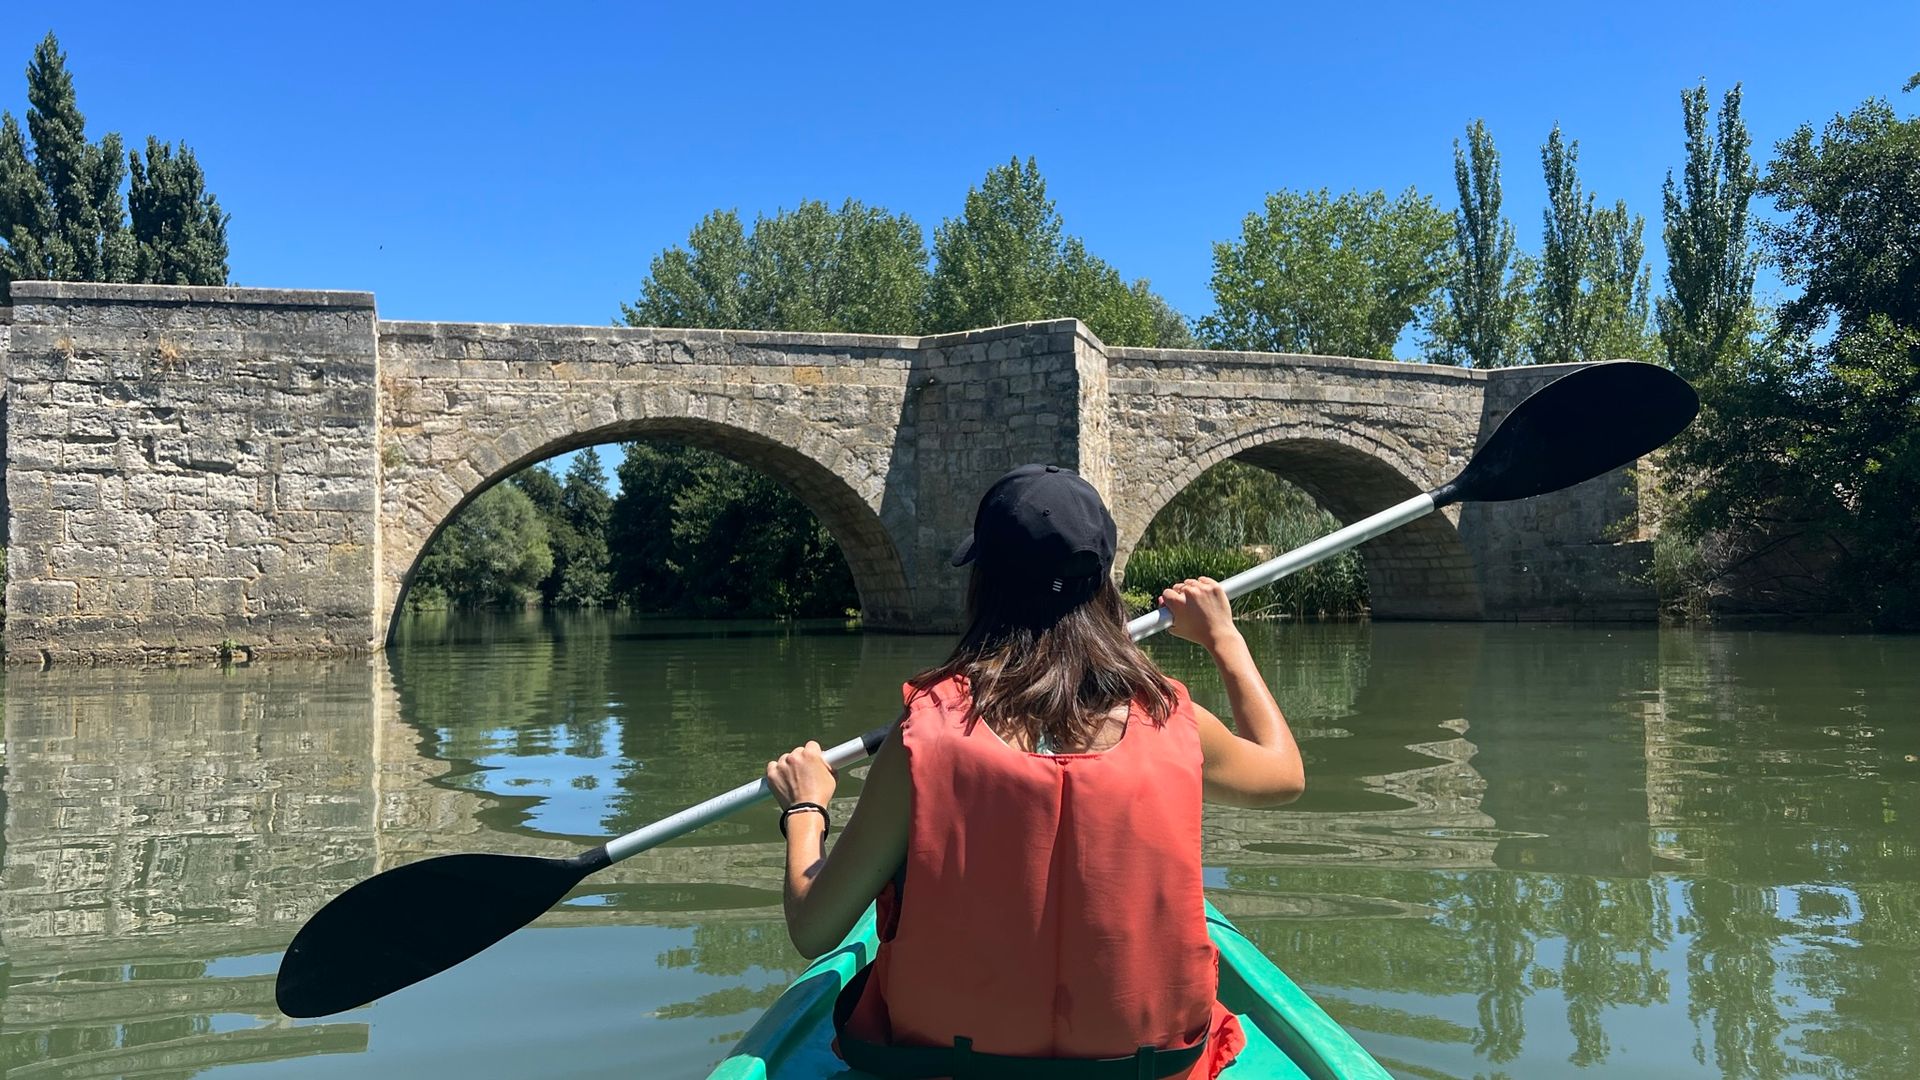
(1287, 1034)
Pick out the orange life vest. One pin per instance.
(1051, 905)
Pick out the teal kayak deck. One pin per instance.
(1288, 1035)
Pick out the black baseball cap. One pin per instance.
(1041, 521)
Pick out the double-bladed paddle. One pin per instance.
(400, 926)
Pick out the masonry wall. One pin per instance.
(186, 467)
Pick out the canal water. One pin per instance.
(1525, 851)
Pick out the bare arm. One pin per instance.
(825, 893)
(1259, 766)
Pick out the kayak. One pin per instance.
(1287, 1034)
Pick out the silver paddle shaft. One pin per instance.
(854, 750)
(1300, 558)
(693, 817)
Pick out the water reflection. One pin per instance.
(1525, 851)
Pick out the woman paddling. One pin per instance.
(1031, 827)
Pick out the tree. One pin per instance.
(1560, 314)
(1618, 282)
(699, 285)
(1707, 311)
(1850, 238)
(857, 270)
(640, 524)
(1007, 259)
(1590, 300)
(494, 552)
(178, 226)
(1486, 281)
(581, 575)
(743, 545)
(1810, 441)
(62, 212)
(1320, 274)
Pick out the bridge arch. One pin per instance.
(1420, 571)
(419, 503)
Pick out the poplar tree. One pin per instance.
(1618, 286)
(1708, 306)
(1560, 330)
(1486, 281)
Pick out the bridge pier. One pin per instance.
(195, 469)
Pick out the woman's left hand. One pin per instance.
(801, 775)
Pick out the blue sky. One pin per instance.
(523, 162)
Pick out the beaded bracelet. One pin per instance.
(807, 806)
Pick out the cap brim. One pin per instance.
(963, 554)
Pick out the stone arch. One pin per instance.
(1420, 571)
(841, 489)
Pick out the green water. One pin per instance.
(1524, 851)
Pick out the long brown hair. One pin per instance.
(1050, 664)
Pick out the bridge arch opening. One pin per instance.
(870, 556)
(1419, 571)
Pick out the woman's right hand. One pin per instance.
(1202, 613)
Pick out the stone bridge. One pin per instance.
(191, 467)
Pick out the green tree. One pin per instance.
(581, 575)
(743, 545)
(640, 524)
(1618, 283)
(1560, 313)
(493, 552)
(178, 226)
(700, 285)
(1849, 237)
(1812, 441)
(1707, 311)
(1007, 259)
(1319, 274)
(63, 216)
(1486, 280)
(857, 270)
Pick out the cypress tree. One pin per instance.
(25, 215)
(87, 239)
(1708, 304)
(1480, 327)
(63, 216)
(177, 223)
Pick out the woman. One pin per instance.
(1031, 827)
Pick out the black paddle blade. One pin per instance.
(1579, 426)
(396, 928)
